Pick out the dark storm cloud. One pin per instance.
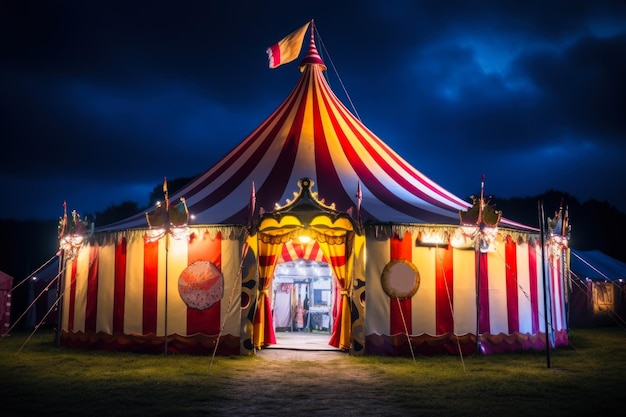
(102, 99)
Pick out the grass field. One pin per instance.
(39, 379)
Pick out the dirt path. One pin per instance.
(313, 383)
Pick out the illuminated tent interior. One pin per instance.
(415, 269)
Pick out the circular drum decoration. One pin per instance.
(400, 279)
(201, 285)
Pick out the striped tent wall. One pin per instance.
(114, 293)
(508, 316)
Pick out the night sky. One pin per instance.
(103, 99)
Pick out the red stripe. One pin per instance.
(266, 260)
(400, 311)
(150, 286)
(91, 313)
(444, 299)
(315, 252)
(72, 302)
(268, 330)
(512, 302)
(204, 248)
(119, 290)
(484, 325)
(298, 250)
(309, 252)
(337, 260)
(534, 295)
(286, 252)
(275, 55)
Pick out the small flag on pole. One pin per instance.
(252, 204)
(359, 199)
(288, 49)
(165, 194)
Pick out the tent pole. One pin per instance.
(477, 257)
(167, 241)
(59, 297)
(543, 274)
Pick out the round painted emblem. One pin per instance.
(201, 285)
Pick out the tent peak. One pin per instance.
(312, 56)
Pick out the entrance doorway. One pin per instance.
(302, 297)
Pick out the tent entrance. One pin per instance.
(309, 221)
(302, 294)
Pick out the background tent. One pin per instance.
(6, 284)
(42, 295)
(597, 294)
(313, 171)
(596, 265)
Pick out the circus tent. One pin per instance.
(313, 170)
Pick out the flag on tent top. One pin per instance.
(165, 194)
(287, 49)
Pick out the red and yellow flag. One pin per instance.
(288, 48)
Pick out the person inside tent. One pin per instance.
(306, 312)
(299, 315)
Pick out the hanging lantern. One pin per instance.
(168, 219)
(479, 224)
(71, 231)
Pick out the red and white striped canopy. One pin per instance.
(312, 134)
